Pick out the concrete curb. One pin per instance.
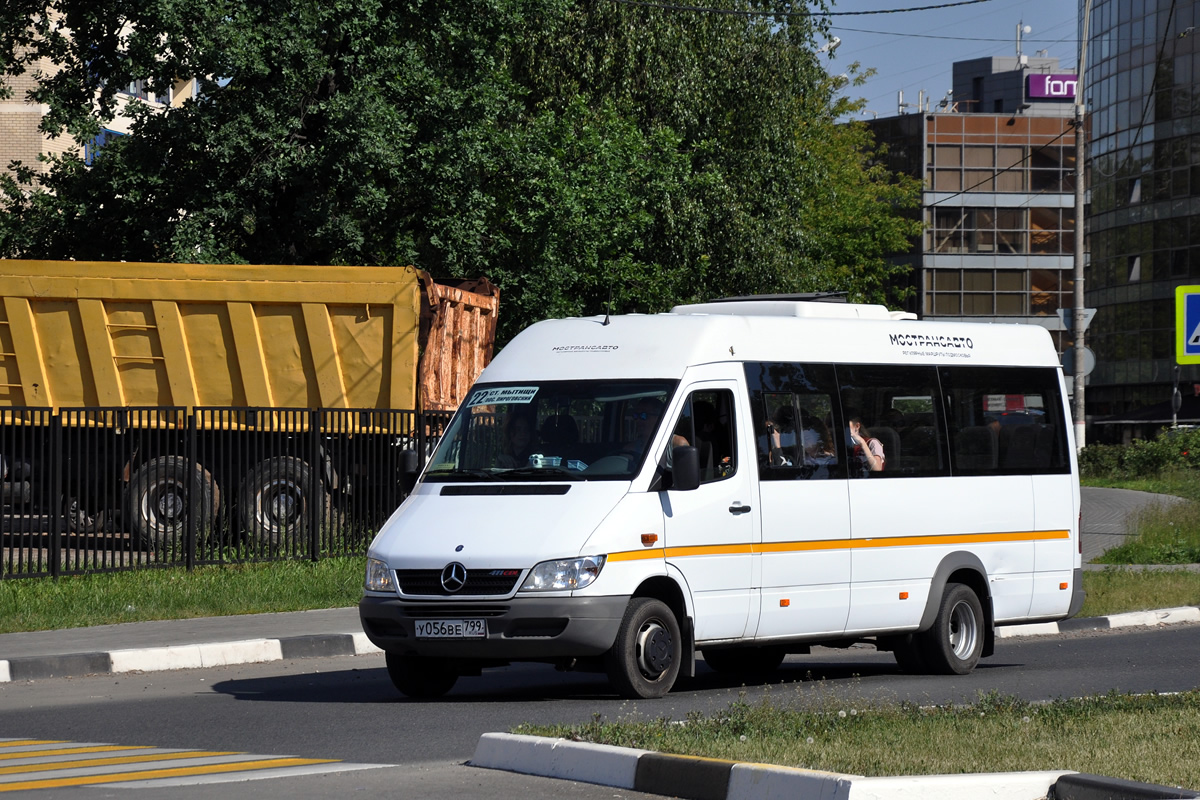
(1147, 619)
(250, 651)
(695, 778)
(186, 656)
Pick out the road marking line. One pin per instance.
(210, 769)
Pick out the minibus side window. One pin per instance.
(795, 414)
(900, 411)
(1005, 420)
(706, 423)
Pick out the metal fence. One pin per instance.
(105, 489)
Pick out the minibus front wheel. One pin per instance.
(645, 658)
(419, 677)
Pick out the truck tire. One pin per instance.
(644, 661)
(955, 642)
(82, 517)
(275, 498)
(423, 678)
(164, 493)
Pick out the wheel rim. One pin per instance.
(163, 506)
(655, 649)
(280, 505)
(964, 630)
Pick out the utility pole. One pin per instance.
(1080, 318)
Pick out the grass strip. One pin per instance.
(175, 593)
(1151, 738)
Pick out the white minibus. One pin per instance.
(743, 478)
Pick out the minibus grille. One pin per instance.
(480, 582)
(442, 611)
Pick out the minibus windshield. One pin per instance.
(551, 430)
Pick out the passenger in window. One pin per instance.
(645, 415)
(518, 440)
(817, 443)
(868, 451)
(781, 437)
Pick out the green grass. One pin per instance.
(1155, 739)
(1116, 590)
(1161, 535)
(174, 593)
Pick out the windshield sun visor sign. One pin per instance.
(496, 395)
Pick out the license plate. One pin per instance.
(451, 629)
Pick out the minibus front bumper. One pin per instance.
(520, 628)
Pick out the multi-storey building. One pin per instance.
(997, 161)
(1143, 93)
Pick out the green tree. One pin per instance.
(583, 154)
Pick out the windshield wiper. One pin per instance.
(463, 473)
(549, 473)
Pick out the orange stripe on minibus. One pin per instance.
(842, 544)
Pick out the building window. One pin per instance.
(998, 292)
(92, 148)
(1014, 231)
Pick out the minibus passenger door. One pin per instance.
(711, 528)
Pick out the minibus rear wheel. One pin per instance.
(419, 677)
(955, 642)
(643, 662)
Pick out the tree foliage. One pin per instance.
(583, 154)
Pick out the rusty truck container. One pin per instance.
(235, 394)
(90, 334)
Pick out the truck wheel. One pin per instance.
(274, 499)
(644, 660)
(745, 662)
(955, 642)
(164, 492)
(82, 518)
(420, 677)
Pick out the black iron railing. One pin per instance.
(105, 489)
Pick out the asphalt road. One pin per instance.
(345, 708)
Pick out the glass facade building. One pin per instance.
(1143, 97)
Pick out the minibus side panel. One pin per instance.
(805, 557)
(1055, 558)
(903, 528)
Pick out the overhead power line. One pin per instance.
(805, 13)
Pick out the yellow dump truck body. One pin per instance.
(102, 334)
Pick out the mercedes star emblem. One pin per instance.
(454, 577)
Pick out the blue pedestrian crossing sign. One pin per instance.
(1187, 324)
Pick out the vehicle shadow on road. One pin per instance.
(542, 683)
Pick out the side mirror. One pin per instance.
(685, 468)
(410, 467)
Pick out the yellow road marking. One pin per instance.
(105, 748)
(99, 762)
(178, 772)
(27, 742)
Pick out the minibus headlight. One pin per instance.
(574, 573)
(379, 577)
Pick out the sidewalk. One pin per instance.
(219, 641)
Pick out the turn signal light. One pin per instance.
(904, 595)
(1062, 586)
(649, 539)
(784, 603)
